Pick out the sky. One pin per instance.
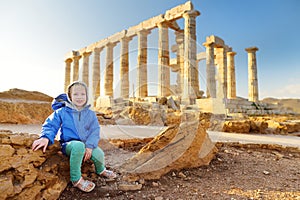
(35, 36)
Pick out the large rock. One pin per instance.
(25, 174)
(178, 147)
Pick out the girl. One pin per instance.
(80, 134)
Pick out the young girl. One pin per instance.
(80, 134)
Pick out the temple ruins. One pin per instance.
(220, 93)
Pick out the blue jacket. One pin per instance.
(73, 124)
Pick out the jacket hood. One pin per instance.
(69, 103)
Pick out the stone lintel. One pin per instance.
(115, 38)
(132, 31)
(178, 11)
(216, 40)
(152, 22)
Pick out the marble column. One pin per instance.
(231, 82)
(124, 67)
(180, 60)
(75, 68)
(96, 73)
(85, 67)
(142, 87)
(163, 61)
(221, 59)
(67, 73)
(191, 86)
(210, 71)
(252, 74)
(109, 70)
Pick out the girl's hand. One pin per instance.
(42, 142)
(87, 154)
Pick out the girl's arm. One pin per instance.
(51, 126)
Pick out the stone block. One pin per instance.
(103, 102)
(212, 105)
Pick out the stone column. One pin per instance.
(109, 70)
(85, 67)
(142, 87)
(180, 60)
(210, 71)
(252, 74)
(191, 86)
(222, 72)
(96, 73)
(231, 82)
(124, 67)
(75, 68)
(67, 73)
(163, 61)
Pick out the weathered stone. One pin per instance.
(21, 112)
(237, 126)
(6, 151)
(25, 174)
(177, 147)
(6, 186)
(130, 187)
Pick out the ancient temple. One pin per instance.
(220, 65)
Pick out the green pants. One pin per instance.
(75, 150)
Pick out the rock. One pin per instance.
(175, 148)
(25, 174)
(237, 126)
(22, 112)
(130, 187)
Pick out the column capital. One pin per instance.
(86, 53)
(191, 13)
(126, 39)
(77, 57)
(144, 32)
(162, 24)
(251, 49)
(231, 53)
(208, 44)
(110, 44)
(98, 49)
(68, 60)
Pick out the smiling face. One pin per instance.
(78, 96)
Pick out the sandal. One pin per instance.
(108, 174)
(84, 185)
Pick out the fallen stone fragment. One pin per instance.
(130, 187)
(175, 148)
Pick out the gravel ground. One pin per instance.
(236, 172)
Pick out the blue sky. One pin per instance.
(36, 34)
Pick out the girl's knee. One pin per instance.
(78, 146)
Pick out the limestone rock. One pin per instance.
(175, 148)
(23, 112)
(25, 174)
(242, 126)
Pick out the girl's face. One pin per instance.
(78, 96)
